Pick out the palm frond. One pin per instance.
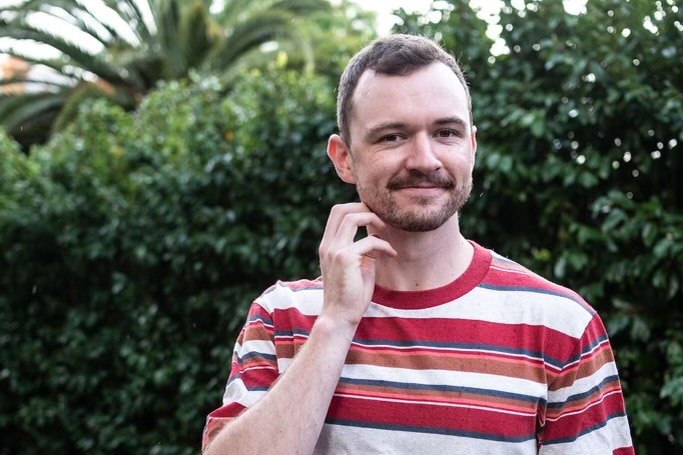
(136, 43)
(18, 109)
(77, 56)
(130, 12)
(199, 32)
(252, 34)
(62, 14)
(301, 7)
(47, 83)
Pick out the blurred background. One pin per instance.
(162, 162)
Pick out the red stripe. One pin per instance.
(450, 419)
(570, 426)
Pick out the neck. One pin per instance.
(425, 260)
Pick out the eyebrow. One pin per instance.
(452, 120)
(381, 127)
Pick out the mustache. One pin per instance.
(420, 179)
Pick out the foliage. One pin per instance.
(580, 131)
(130, 255)
(132, 242)
(337, 35)
(120, 49)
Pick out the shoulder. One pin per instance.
(516, 291)
(506, 274)
(298, 294)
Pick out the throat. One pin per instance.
(430, 270)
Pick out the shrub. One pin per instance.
(131, 246)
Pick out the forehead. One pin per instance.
(424, 95)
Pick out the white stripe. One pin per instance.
(519, 307)
(235, 391)
(307, 301)
(260, 346)
(488, 382)
(347, 440)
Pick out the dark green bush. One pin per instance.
(580, 136)
(131, 246)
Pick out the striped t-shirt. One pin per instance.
(500, 361)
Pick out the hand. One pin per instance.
(348, 266)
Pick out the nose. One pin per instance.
(422, 156)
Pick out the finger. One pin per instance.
(359, 214)
(348, 228)
(339, 211)
(356, 254)
(373, 246)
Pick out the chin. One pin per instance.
(424, 222)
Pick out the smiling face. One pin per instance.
(413, 147)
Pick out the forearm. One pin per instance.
(288, 419)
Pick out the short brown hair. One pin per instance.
(398, 55)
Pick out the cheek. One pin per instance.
(462, 163)
(366, 171)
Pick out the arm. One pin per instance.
(293, 411)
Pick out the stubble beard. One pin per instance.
(424, 215)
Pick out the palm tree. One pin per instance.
(120, 49)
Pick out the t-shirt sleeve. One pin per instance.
(585, 409)
(253, 370)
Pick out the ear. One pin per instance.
(474, 143)
(341, 157)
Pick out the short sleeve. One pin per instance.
(585, 410)
(253, 371)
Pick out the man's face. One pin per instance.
(413, 147)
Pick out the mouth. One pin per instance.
(421, 191)
(421, 183)
(418, 187)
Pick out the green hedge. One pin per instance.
(578, 174)
(131, 246)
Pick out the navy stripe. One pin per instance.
(260, 355)
(259, 317)
(442, 388)
(291, 333)
(430, 430)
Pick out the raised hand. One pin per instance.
(348, 265)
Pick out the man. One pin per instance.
(415, 340)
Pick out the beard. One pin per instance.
(425, 214)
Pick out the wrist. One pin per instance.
(331, 327)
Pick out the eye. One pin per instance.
(448, 133)
(390, 138)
